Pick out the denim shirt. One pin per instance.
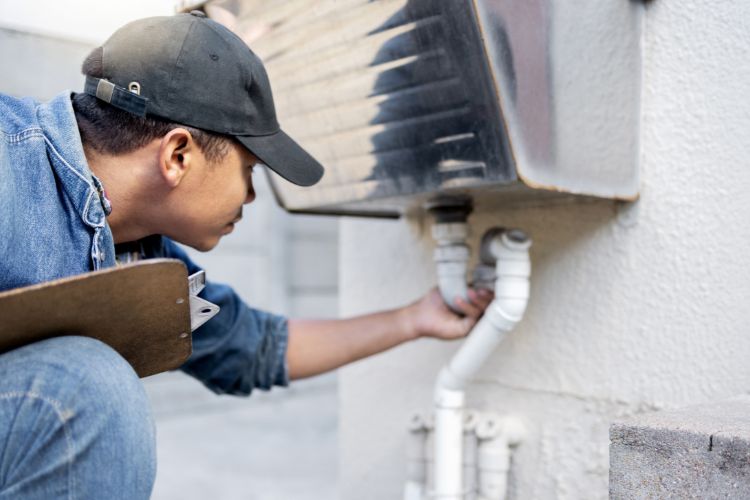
(54, 225)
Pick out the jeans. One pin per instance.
(75, 423)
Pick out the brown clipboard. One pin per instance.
(141, 310)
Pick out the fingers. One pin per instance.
(481, 297)
(467, 308)
(477, 303)
(438, 321)
(456, 327)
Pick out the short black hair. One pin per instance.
(112, 131)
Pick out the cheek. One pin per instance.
(233, 201)
(230, 201)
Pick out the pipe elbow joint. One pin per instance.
(451, 263)
(498, 243)
(508, 250)
(510, 306)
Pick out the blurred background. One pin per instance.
(279, 445)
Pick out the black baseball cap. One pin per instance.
(192, 70)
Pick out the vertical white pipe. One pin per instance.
(496, 436)
(416, 465)
(470, 454)
(448, 444)
(494, 464)
(430, 454)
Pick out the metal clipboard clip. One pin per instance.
(200, 310)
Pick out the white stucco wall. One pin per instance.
(633, 307)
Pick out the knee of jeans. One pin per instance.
(78, 396)
(108, 392)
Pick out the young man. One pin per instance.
(161, 147)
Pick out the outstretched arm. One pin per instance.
(317, 346)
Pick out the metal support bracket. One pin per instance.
(201, 310)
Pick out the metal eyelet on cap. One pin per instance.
(134, 87)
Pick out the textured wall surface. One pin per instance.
(634, 307)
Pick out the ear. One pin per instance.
(176, 156)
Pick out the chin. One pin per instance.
(203, 245)
(200, 242)
(206, 246)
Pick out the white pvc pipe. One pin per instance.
(430, 454)
(470, 443)
(494, 464)
(451, 260)
(416, 471)
(496, 436)
(448, 442)
(513, 268)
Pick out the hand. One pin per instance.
(431, 317)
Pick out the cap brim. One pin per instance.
(281, 154)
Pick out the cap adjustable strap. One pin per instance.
(116, 96)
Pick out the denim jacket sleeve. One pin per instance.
(240, 348)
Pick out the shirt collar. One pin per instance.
(65, 150)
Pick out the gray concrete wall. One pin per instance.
(633, 307)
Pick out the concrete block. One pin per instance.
(700, 452)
